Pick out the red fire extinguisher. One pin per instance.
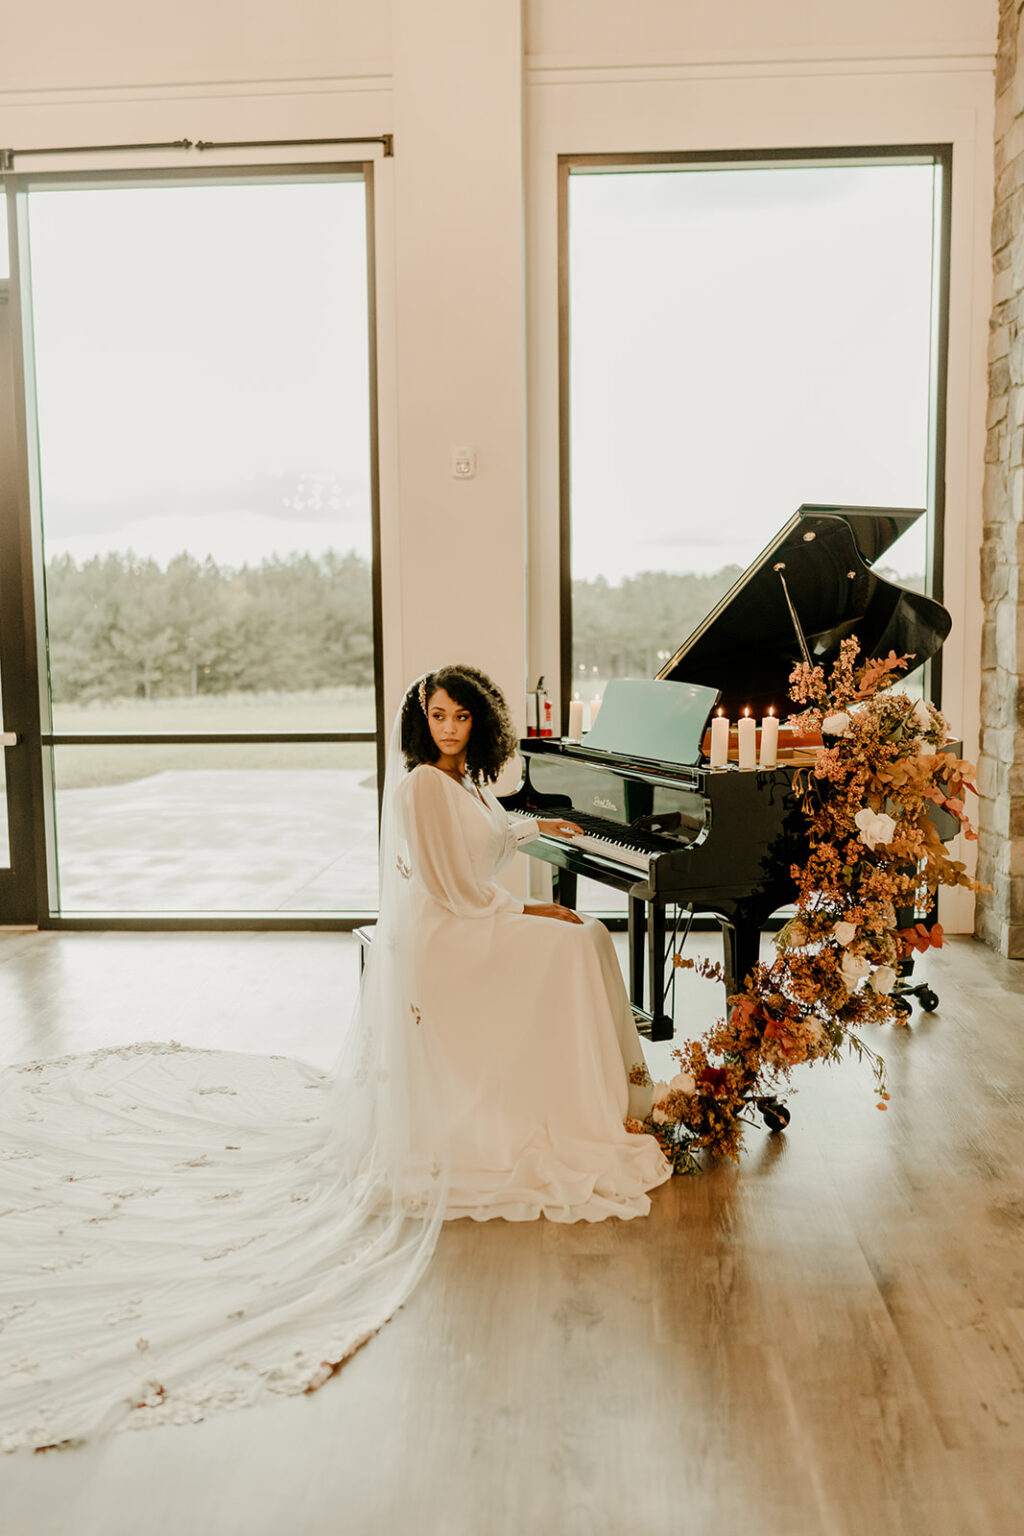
(545, 719)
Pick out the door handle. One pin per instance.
(8, 738)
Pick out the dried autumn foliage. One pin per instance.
(875, 857)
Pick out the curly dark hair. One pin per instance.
(492, 740)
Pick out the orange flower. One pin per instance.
(799, 1006)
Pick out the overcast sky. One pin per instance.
(202, 369)
(742, 341)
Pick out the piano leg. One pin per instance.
(637, 935)
(563, 887)
(741, 945)
(662, 1027)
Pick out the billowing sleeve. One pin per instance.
(523, 829)
(439, 859)
(518, 830)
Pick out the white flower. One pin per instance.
(884, 979)
(923, 715)
(875, 827)
(845, 933)
(660, 1092)
(813, 1028)
(924, 748)
(853, 968)
(683, 1083)
(659, 1116)
(836, 725)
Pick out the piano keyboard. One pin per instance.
(629, 852)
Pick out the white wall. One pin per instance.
(462, 85)
(666, 31)
(460, 322)
(50, 45)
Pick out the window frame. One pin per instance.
(938, 154)
(34, 896)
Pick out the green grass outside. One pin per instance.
(333, 709)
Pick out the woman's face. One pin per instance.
(450, 724)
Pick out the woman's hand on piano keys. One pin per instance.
(560, 828)
(552, 909)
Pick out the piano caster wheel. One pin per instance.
(901, 1005)
(929, 1000)
(774, 1113)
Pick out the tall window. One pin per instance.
(200, 368)
(742, 338)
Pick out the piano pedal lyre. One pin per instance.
(652, 1027)
(643, 1021)
(666, 939)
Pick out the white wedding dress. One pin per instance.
(185, 1230)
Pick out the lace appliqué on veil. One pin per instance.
(124, 1174)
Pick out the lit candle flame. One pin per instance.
(747, 710)
(721, 711)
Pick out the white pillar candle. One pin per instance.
(769, 741)
(719, 741)
(575, 720)
(748, 742)
(595, 705)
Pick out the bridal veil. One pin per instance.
(183, 1230)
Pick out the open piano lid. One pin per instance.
(747, 646)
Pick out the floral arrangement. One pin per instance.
(874, 855)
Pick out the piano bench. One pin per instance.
(365, 938)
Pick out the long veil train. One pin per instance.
(183, 1230)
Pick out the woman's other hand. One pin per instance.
(552, 909)
(560, 828)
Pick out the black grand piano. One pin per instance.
(677, 836)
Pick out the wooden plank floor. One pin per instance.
(828, 1339)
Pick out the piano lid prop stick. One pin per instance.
(748, 742)
(719, 741)
(801, 638)
(575, 720)
(769, 742)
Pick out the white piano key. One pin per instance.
(603, 847)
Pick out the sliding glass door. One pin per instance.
(197, 367)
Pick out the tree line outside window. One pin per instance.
(121, 627)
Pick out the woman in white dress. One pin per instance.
(186, 1230)
(524, 1036)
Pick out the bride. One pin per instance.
(185, 1230)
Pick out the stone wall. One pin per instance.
(1000, 915)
